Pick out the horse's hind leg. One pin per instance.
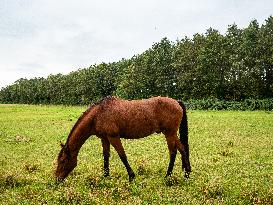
(106, 154)
(172, 152)
(116, 143)
(185, 160)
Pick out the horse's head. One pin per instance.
(65, 163)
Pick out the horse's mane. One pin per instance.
(101, 102)
(105, 100)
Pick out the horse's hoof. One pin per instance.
(106, 172)
(187, 169)
(168, 175)
(187, 175)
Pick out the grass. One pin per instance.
(231, 157)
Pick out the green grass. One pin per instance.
(231, 157)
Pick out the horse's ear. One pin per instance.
(62, 145)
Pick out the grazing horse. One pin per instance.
(113, 118)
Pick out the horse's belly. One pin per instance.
(136, 135)
(140, 130)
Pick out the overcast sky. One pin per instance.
(42, 37)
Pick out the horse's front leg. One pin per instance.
(116, 143)
(106, 154)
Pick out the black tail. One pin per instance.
(183, 129)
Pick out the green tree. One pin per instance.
(212, 66)
(185, 64)
(150, 74)
(235, 72)
(266, 57)
(251, 75)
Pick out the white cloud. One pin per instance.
(42, 37)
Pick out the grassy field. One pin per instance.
(231, 157)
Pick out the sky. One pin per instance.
(43, 37)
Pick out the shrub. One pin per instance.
(214, 104)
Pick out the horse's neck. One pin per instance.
(78, 137)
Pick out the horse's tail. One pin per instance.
(183, 129)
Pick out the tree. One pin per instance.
(266, 58)
(212, 66)
(150, 74)
(235, 89)
(185, 63)
(252, 72)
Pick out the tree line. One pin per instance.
(234, 66)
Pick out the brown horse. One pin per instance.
(113, 118)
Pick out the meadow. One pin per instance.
(231, 158)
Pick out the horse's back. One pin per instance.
(139, 118)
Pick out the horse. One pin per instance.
(114, 118)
